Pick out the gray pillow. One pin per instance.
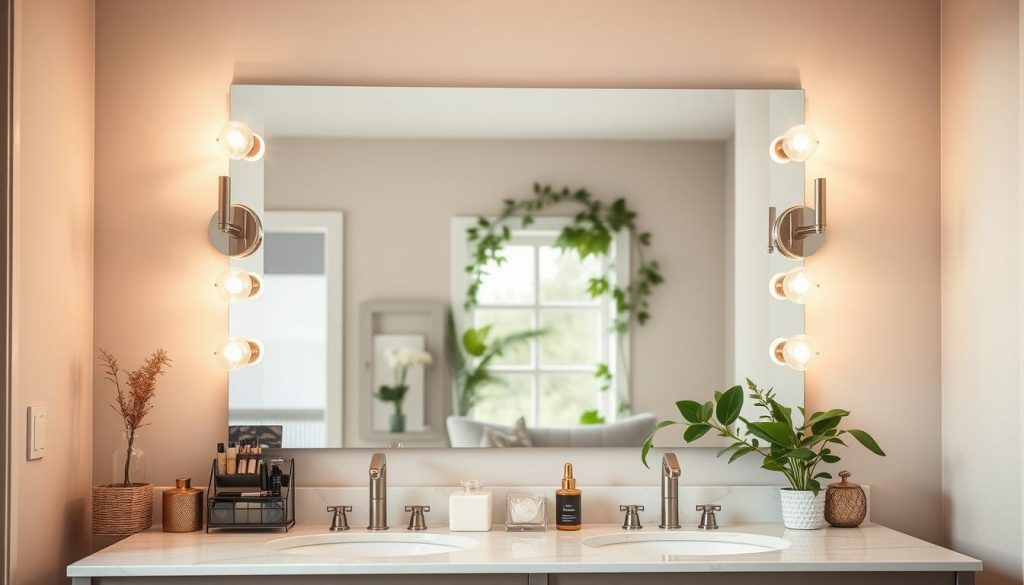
(517, 438)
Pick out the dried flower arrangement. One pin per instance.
(134, 404)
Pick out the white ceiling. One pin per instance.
(587, 114)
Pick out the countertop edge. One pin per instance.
(524, 568)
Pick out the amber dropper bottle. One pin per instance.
(568, 503)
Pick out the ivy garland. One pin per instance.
(589, 233)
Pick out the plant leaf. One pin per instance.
(777, 433)
(781, 413)
(690, 410)
(591, 417)
(707, 411)
(819, 416)
(694, 432)
(866, 440)
(822, 422)
(814, 486)
(740, 453)
(812, 440)
(800, 453)
(649, 441)
(474, 340)
(823, 474)
(729, 405)
(726, 450)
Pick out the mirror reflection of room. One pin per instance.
(506, 268)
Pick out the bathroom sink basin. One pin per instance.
(688, 543)
(371, 545)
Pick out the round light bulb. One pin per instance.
(775, 286)
(799, 143)
(796, 352)
(235, 284)
(238, 352)
(797, 285)
(238, 142)
(776, 153)
(258, 149)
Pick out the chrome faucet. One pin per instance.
(378, 492)
(669, 492)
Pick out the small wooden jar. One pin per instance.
(183, 507)
(846, 505)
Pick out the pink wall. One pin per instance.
(53, 284)
(981, 286)
(870, 68)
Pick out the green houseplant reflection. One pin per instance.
(470, 356)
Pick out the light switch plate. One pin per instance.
(36, 431)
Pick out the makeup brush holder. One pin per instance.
(252, 501)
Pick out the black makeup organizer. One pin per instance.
(226, 509)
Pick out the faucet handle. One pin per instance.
(416, 519)
(632, 519)
(340, 520)
(707, 517)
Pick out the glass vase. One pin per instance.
(136, 465)
(397, 422)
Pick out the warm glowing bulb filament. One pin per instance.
(235, 284)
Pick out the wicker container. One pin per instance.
(183, 507)
(846, 505)
(120, 511)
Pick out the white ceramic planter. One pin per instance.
(803, 510)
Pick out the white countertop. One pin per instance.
(868, 548)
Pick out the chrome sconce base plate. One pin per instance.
(251, 229)
(784, 233)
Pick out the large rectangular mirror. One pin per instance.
(376, 203)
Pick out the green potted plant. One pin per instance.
(792, 448)
(400, 359)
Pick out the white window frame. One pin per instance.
(616, 350)
(331, 225)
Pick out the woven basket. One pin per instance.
(120, 511)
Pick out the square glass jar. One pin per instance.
(525, 512)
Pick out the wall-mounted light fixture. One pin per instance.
(799, 143)
(235, 284)
(235, 229)
(795, 285)
(796, 352)
(238, 142)
(800, 230)
(239, 352)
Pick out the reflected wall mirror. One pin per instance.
(370, 197)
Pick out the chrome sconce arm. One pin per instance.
(235, 230)
(800, 230)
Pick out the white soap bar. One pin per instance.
(469, 511)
